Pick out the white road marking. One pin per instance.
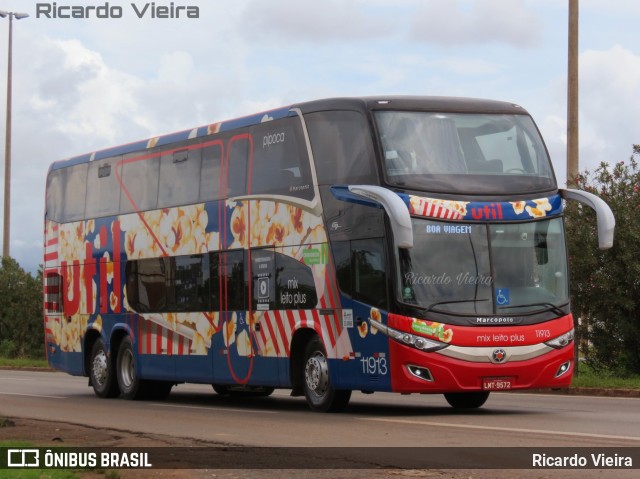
(213, 408)
(34, 395)
(503, 429)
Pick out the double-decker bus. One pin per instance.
(402, 244)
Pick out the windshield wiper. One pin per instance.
(432, 307)
(547, 306)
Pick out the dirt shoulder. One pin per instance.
(60, 434)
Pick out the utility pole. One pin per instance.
(7, 151)
(572, 97)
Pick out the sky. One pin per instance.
(84, 84)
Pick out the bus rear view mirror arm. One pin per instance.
(606, 220)
(395, 208)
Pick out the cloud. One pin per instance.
(456, 22)
(70, 101)
(609, 86)
(609, 123)
(327, 21)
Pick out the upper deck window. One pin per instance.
(342, 149)
(280, 161)
(464, 153)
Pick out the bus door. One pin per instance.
(362, 273)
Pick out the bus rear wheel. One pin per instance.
(318, 390)
(101, 371)
(467, 400)
(131, 386)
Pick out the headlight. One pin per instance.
(418, 342)
(561, 341)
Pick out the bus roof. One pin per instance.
(415, 103)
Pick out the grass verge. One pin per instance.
(35, 473)
(48, 473)
(23, 363)
(588, 378)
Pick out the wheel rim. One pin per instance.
(316, 375)
(99, 367)
(127, 370)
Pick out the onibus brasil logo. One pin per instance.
(75, 459)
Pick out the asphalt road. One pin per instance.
(378, 420)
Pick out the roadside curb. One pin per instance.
(582, 391)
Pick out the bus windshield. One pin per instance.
(464, 153)
(485, 269)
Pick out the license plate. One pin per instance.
(498, 384)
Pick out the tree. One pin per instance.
(605, 285)
(21, 320)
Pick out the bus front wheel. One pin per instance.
(320, 393)
(467, 400)
(102, 372)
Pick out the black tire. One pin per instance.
(131, 387)
(102, 373)
(320, 393)
(467, 400)
(159, 390)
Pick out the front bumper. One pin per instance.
(450, 373)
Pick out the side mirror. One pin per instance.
(606, 220)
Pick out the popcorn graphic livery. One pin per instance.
(471, 210)
(186, 230)
(435, 208)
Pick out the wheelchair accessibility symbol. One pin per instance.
(502, 297)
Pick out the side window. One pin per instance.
(179, 177)
(55, 196)
(191, 283)
(295, 287)
(342, 259)
(214, 274)
(369, 272)
(170, 284)
(342, 147)
(280, 161)
(361, 270)
(75, 188)
(103, 188)
(139, 174)
(263, 279)
(239, 151)
(210, 173)
(147, 290)
(232, 280)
